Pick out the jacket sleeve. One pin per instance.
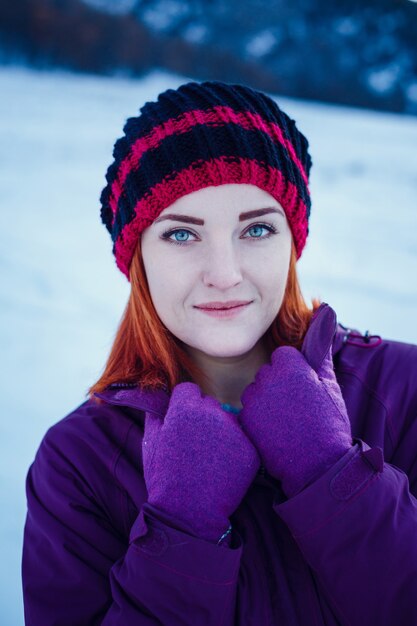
(357, 528)
(77, 569)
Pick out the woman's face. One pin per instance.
(212, 254)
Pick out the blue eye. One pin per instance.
(166, 235)
(260, 226)
(180, 232)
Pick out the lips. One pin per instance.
(221, 306)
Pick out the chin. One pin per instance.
(228, 351)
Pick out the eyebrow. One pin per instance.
(247, 215)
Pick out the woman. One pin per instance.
(243, 459)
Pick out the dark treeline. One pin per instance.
(346, 52)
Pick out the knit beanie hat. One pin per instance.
(196, 136)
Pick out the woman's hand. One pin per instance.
(198, 464)
(294, 412)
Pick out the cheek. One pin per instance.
(274, 281)
(158, 282)
(273, 287)
(168, 288)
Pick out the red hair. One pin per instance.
(145, 352)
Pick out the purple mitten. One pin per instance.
(197, 462)
(294, 412)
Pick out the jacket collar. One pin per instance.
(157, 401)
(151, 401)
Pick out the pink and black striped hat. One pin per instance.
(199, 135)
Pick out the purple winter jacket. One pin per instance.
(342, 551)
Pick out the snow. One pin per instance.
(385, 79)
(411, 91)
(195, 33)
(62, 296)
(261, 44)
(165, 14)
(347, 26)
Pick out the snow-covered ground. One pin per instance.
(62, 296)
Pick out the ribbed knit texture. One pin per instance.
(197, 464)
(199, 135)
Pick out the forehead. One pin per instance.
(228, 199)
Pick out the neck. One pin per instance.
(227, 377)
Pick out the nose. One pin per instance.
(222, 266)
